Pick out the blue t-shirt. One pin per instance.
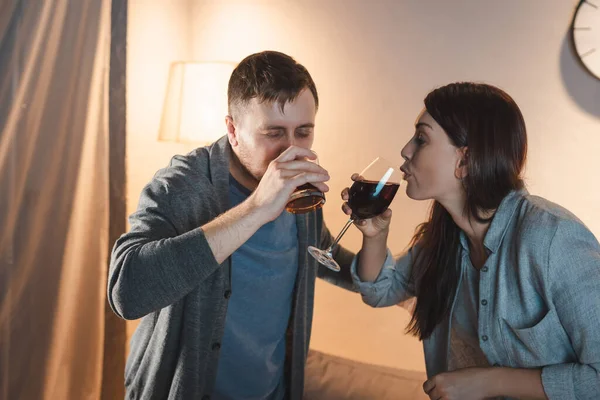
(263, 274)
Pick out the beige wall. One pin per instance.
(159, 33)
(373, 62)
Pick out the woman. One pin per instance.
(507, 284)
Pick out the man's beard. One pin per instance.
(243, 162)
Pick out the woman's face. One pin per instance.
(432, 167)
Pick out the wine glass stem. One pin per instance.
(339, 236)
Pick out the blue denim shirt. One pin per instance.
(539, 297)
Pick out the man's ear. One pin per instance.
(231, 131)
(462, 162)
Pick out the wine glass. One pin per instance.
(306, 197)
(369, 196)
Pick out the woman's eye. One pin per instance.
(419, 139)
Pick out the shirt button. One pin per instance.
(484, 269)
(484, 302)
(216, 346)
(227, 294)
(484, 338)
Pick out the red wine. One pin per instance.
(368, 199)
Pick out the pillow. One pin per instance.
(334, 378)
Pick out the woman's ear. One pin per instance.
(462, 162)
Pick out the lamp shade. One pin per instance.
(196, 102)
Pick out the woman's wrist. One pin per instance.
(376, 238)
(513, 382)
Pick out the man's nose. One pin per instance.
(289, 141)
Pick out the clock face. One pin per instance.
(586, 35)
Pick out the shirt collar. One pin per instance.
(500, 221)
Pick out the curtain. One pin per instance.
(54, 213)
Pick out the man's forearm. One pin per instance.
(226, 233)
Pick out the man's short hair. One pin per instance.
(268, 76)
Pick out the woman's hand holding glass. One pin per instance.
(372, 227)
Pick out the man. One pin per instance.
(213, 263)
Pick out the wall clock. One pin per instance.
(585, 33)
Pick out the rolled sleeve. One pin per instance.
(571, 381)
(392, 284)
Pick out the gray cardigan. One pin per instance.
(164, 271)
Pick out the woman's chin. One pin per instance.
(415, 194)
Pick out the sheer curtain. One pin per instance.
(54, 216)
